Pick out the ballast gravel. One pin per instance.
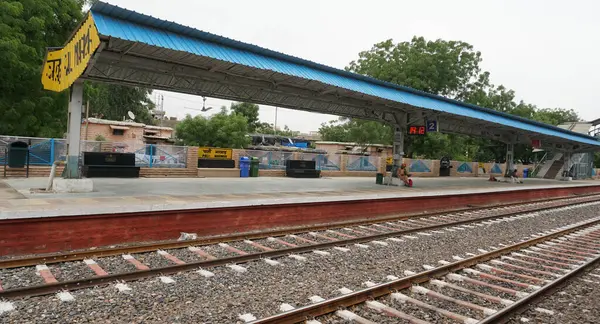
(577, 302)
(260, 290)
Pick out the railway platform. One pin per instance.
(145, 210)
(20, 199)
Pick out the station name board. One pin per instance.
(63, 66)
(416, 130)
(215, 153)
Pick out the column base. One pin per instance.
(73, 185)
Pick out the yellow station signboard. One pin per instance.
(63, 66)
(215, 153)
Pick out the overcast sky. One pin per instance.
(547, 51)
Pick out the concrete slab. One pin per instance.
(7, 192)
(155, 194)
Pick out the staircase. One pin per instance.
(546, 162)
(554, 169)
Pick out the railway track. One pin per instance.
(239, 249)
(487, 288)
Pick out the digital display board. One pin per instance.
(416, 130)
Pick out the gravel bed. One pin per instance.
(371, 314)
(449, 306)
(494, 282)
(71, 271)
(463, 296)
(309, 237)
(185, 255)
(263, 287)
(217, 251)
(418, 312)
(153, 260)
(115, 264)
(242, 246)
(19, 277)
(485, 290)
(275, 245)
(577, 302)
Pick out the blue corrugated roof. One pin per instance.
(129, 25)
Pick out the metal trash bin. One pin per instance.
(244, 167)
(445, 166)
(254, 167)
(17, 154)
(379, 178)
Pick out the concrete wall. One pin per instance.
(336, 147)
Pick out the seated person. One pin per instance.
(404, 175)
(514, 177)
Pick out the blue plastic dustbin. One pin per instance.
(244, 167)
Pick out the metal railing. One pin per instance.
(146, 155)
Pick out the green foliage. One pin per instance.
(99, 138)
(447, 68)
(356, 131)
(111, 101)
(248, 110)
(220, 130)
(269, 129)
(556, 116)
(27, 27)
(439, 67)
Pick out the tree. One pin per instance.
(356, 131)
(27, 27)
(439, 67)
(556, 116)
(269, 129)
(220, 130)
(248, 110)
(451, 69)
(112, 101)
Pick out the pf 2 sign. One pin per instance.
(432, 126)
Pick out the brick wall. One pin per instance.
(192, 158)
(134, 136)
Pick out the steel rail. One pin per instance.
(105, 252)
(140, 274)
(328, 306)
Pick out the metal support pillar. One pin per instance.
(510, 165)
(566, 164)
(398, 145)
(74, 131)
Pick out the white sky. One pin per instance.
(547, 51)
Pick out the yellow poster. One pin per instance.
(63, 66)
(214, 153)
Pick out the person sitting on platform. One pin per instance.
(514, 177)
(403, 175)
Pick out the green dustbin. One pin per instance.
(379, 178)
(17, 154)
(254, 167)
